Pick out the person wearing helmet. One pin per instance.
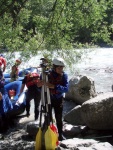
(15, 70)
(31, 81)
(58, 85)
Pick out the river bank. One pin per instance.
(18, 138)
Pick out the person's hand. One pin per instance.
(49, 85)
(40, 83)
(0, 96)
(3, 69)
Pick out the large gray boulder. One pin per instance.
(74, 116)
(98, 112)
(81, 89)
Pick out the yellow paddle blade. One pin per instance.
(50, 139)
(54, 139)
(38, 140)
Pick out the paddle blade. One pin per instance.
(50, 139)
(38, 140)
(54, 129)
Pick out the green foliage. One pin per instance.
(55, 26)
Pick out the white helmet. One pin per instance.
(58, 62)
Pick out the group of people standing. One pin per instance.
(57, 84)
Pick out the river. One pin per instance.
(98, 65)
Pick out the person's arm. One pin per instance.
(4, 62)
(40, 83)
(64, 87)
(23, 85)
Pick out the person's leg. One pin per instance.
(37, 99)
(58, 108)
(4, 123)
(28, 98)
(58, 116)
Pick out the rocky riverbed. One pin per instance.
(17, 137)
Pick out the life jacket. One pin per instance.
(30, 79)
(55, 80)
(2, 61)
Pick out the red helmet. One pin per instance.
(18, 61)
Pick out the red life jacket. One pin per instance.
(30, 79)
(55, 81)
(2, 63)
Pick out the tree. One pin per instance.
(54, 25)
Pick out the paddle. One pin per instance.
(52, 126)
(38, 140)
(51, 138)
(39, 134)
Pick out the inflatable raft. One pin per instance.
(22, 73)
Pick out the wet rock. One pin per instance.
(81, 89)
(32, 128)
(97, 112)
(74, 116)
(84, 144)
(71, 131)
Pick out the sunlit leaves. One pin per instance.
(55, 25)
